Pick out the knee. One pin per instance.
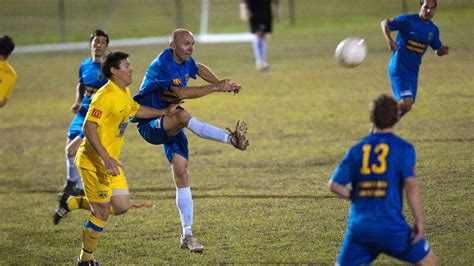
(71, 150)
(183, 118)
(121, 210)
(181, 179)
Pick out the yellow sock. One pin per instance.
(75, 203)
(92, 232)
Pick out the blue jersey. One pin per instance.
(163, 73)
(376, 168)
(414, 37)
(90, 74)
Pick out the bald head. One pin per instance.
(177, 33)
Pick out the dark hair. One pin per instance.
(112, 60)
(99, 32)
(7, 45)
(384, 112)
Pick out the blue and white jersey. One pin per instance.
(376, 168)
(163, 73)
(414, 37)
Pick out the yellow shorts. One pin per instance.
(100, 187)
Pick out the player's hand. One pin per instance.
(76, 107)
(112, 166)
(393, 46)
(444, 50)
(417, 232)
(173, 108)
(169, 97)
(226, 85)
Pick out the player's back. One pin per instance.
(380, 164)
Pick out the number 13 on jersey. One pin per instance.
(381, 151)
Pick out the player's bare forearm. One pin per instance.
(387, 35)
(206, 74)
(193, 92)
(148, 112)
(340, 190)
(414, 198)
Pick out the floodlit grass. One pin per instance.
(269, 204)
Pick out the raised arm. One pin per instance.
(92, 136)
(413, 197)
(80, 89)
(224, 85)
(206, 74)
(387, 34)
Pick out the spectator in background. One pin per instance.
(259, 14)
(7, 73)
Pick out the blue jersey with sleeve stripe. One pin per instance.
(163, 73)
(376, 168)
(413, 38)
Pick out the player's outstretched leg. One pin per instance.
(62, 211)
(239, 136)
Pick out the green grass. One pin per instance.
(266, 205)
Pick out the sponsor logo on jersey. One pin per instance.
(96, 113)
(122, 127)
(177, 81)
(416, 47)
(430, 36)
(375, 188)
(102, 194)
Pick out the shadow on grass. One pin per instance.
(243, 196)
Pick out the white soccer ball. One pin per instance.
(351, 52)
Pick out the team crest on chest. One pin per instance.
(430, 36)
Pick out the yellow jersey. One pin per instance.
(111, 107)
(7, 79)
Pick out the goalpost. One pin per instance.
(205, 37)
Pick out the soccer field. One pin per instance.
(269, 204)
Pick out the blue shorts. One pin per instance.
(75, 129)
(154, 133)
(404, 84)
(355, 251)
